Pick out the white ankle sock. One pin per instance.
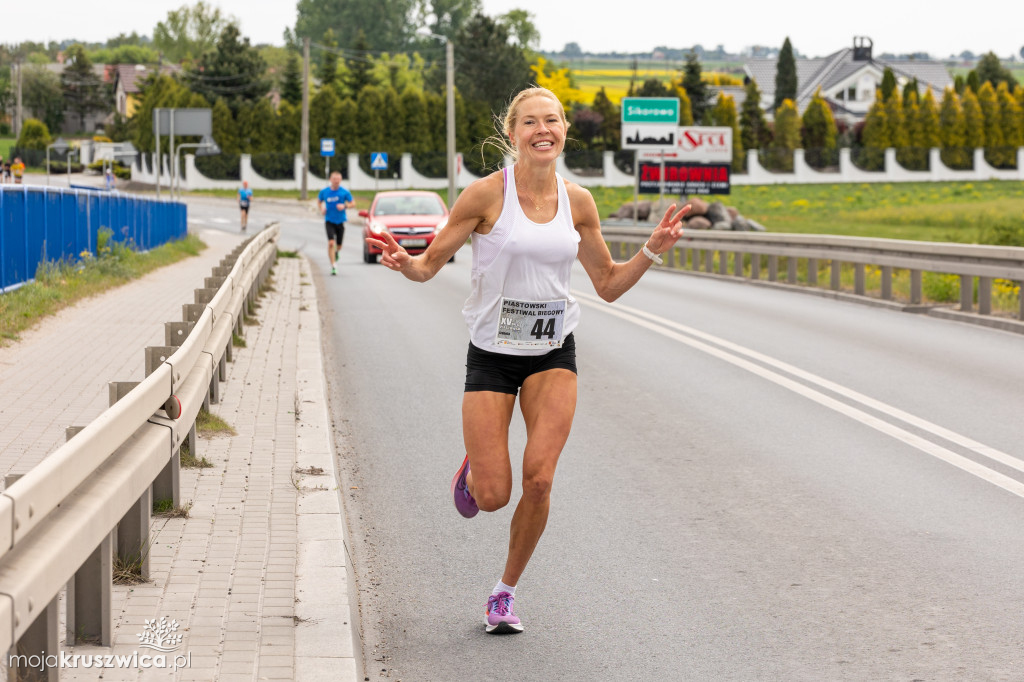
(502, 587)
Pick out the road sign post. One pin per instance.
(378, 162)
(327, 151)
(649, 124)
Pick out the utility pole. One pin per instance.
(18, 115)
(305, 118)
(449, 54)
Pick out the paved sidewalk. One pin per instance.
(257, 577)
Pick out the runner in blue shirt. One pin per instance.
(244, 199)
(332, 202)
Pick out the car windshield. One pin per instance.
(408, 206)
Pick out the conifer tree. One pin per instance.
(369, 132)
(288, 127)
(959, 84)
(609, 130)
(685, 108)
(974, 123)
(391, 119)
(696, 89)
(724, 114)
(359, 65)
(785, 75)
(753, 126)
(875, 137)
(786, 137)
(912, 156)
(896, 123)
(321, 114)
(819, 133)
(995, 149)
(1011, 121)
(927, 124)
(291, 85)
(416, 128)
(327, 72)
(345, 126)
(225, 132)
(973, 82)
(953, 132)
(888, 84)
(911, 88)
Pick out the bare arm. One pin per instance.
(612, 279)
(477, 207)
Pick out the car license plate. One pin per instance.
(413, 243)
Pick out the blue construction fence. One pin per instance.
(39, 224)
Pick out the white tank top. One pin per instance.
(520, 303)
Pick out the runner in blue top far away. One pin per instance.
(244, 199)
(332, 202)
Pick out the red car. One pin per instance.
(413, 218)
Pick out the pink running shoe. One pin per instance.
(464, 502)
(500, 619)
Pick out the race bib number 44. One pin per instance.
(530, 324)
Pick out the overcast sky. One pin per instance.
(940, 27)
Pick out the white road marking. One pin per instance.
(676, 331)
(221, 221)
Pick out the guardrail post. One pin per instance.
(89, 615)
(916, 288)
(191, 312)
(204, 296)
(709, 260)
(858, 279)
(175, 333)
(886, 282)
(670, 257)
(835, 274)
(133, 533)
(791, 263)
(723, 262)
(156, 356)
(812, 271)
(214, 282)
(966, 293)
(737, 264)
(773, 268)
(985, 295)
(1020, 299)
(755, 266)
(40, 639)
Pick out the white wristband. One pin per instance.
(653, 256)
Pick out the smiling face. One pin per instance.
(536, 126)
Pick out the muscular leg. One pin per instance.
(485, 419)
(331, 248)
(548, 402)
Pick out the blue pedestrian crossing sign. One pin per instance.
(379, 161)
(326, 146)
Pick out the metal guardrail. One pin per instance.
(91, 499)
(696, 252)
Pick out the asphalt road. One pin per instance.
(760, 485)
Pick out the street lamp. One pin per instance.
(207, 146)
(449, 59)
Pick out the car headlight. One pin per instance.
(376, 228)
(440, 225)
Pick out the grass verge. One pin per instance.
(64, 283)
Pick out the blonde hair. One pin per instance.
(505, 123)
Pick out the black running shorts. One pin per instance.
(335, 232)
(501, 373)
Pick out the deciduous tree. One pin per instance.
(188, 32)
(82, 88)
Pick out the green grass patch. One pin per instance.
(966, 212)
(237, 340)
(61, 284)
(166, 509)
(209, 425)
(287, 254)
